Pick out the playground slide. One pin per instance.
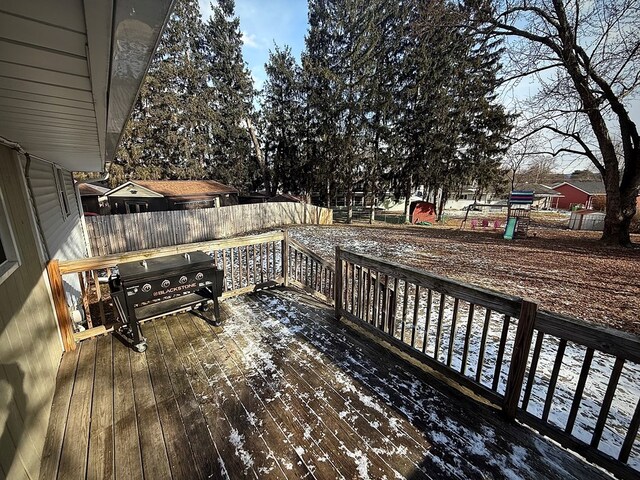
(510, 228)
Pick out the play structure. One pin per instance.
(518, 214)
(484, 222)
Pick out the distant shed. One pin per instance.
(587, 220)
(423, 212)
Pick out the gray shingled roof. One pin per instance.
(592, 188)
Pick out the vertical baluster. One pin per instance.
(467, 337)
(606, 402)
(368, 296)
(361, 305)
(294, 264)
(268, 258)
(385, 305)
(353, 287)
(427, 320)
(300, 269)
(452, 335)
(503, 341)
(577, 397)
(85, 300)
(376, 287)
(414, 322)
(96, 283)
(532, 370)
(393, 307)
(630, 438)
(483, 344)
(436, 353)
(248, 270)
(232, 268)
(274, 258)
(554, 379)
(405, 302)
(224, 268)
(255, 265)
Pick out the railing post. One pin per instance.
(337, 290)
(60, 303)
(519, 357)
(285, 257)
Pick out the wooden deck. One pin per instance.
(283, 391)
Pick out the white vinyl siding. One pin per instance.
(62, 233)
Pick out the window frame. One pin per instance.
(8, 242)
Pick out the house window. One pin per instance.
(9, 260)
(136, 207)
(62, 192)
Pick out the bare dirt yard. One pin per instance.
(565, 271)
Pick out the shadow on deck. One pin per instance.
(282, 391)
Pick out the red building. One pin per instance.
(581, 194)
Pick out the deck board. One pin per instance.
(202, 445)
(100, 463)
(175, 437)
(282, 391)
(155, 462)
(73, 460)
(59, 414)
(128, 461)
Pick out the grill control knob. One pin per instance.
(165, 283)
(199, 276)
(183, 279)
(146, 287)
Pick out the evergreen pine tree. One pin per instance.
(283, 117)
(163, 138)
(229, 100)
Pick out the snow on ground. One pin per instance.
(287, 328)
(627, 395)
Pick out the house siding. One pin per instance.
(63, 235)
(572, 196)
(30, 347)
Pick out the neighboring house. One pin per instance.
(253, 197)
(544, 198)
(93, 198)
(61, 112)
(580, 194)
(138, 196)
(468, 196)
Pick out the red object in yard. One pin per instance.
(423, 212)
(485, 223)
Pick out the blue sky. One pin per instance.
(263, 23)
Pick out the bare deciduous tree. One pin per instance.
(586, 58)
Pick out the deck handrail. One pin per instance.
(249, 263)
(371, 292)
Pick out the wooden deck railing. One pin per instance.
(249, 263)
(574, 382)
(309, 271)
(505, 350)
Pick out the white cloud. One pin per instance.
(249, 40)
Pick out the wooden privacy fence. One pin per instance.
(109, 234)
(249, 263)
(558, 375)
